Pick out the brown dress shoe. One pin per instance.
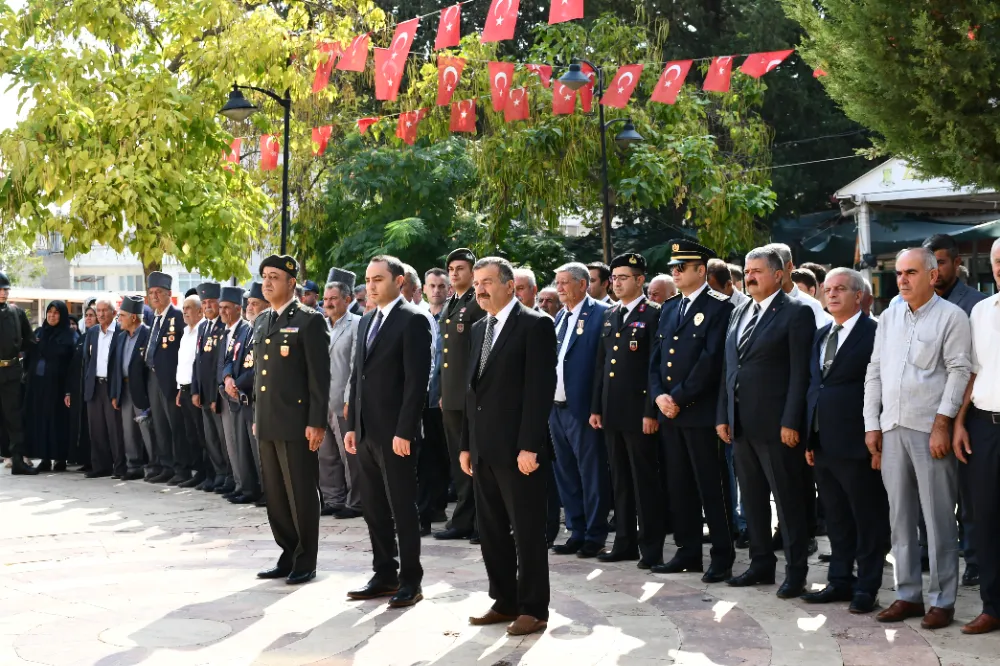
(900, 610)
(491, 617)
(983, 624)
(525, 624)
(938, 618)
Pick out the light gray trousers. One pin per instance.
(914, 481)
(339, 471)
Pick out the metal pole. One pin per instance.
(287, 104)
(606, 222)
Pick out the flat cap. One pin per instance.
(282, 262)
(133, 305)
(341, 275)
(309, 285)
(461, 254)
(683, 250)
(209, 290)
(232, 295)
(257, 290)
(630, 259)
(158, 279)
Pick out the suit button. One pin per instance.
(669, 364)
(821, 386)
(300, 402)
(446, 365)
(445, 336)
(671, 351)
(364, 376)
(263, 372)
(613, 361)
(268, 341)
(479, 409)
(669, 379)
(615, 348)
(611, 374)
(263, 388)
(676, 337)
(265, 357)
(445, 350)
(447, 321)
(618, 335)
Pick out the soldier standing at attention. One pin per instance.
(15, 338)
(291, 345)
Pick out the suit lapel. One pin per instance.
(476, 350)
(386, 322)
(766, 317)
(505, 333)
(848, 344)
(581, 322)
(693, 308)
(818, 345)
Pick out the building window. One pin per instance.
(89, 282)
(130, 283)
(187, 281)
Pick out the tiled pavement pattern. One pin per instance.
(105, 573)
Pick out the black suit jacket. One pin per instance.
(507, 408)
(165, 349)
(90, 359)
(389, 382)
(686, 361)
(840, 396)
(224, 356)
(239, 366)
(203, 377)
(135, 369)
(773, 374)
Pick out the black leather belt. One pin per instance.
(186, 388)
(102, 380)
(992, 417)
(559, 403)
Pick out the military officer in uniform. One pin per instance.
(685, 373)
(622, 408)
(291, 345)
(460, 312)
(15, 338)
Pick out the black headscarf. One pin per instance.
(61, 333)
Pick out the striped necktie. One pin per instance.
(748, 331)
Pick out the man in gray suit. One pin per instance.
(339, 474)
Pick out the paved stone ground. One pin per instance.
(105, 573)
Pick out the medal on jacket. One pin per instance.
(698, 318)
(633, 345)
(285, 350)
(248, 360)
(579, 327)
(460, 327)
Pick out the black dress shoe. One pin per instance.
(825, 557)
(134, 475)
(44, 466)
(243, 499)
(209, 486)
(452, 534)
(425, 529)
(677, 565)
(970, 577)
(717, 574)
(149, 476)
(261, 502)
(328, 510)
(474, 539)
(791, 588)
(116, 475)
(225, 488)
(407, 596)
(374, 589)
(863, 603)
(177, 479)
(59, 466)
(646, 566)
(827, 595)
(162, 477)
(274, 572)
(348, 512)
(96, 474)
(569, 548)
(742, 539)
(812, 547)
(751, 577)
(618, 555)
(300, 577)
(19, 467)
(590, 549)
(231, 495)
(193, 482)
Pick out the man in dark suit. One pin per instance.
(850, 484)
(684, 375)
(392, 362)
(581, 457)
(241, 456)
(170, 462)
(622, 407)
(762, 412)
(128, 385)
(291, 348)
(460, 312)
(204, 392)
(107, 449)
(510, 383)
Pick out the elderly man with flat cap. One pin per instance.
(291, 345)
(204, 390)
(128, 385)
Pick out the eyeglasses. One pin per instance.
(622, 278)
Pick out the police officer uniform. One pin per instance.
(621, 399)
(16, 337)
(456, 319)
(291, 391)
(686, 364)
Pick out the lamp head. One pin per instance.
(574, 79)
(628, 136)
(238, 107)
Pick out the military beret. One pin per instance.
(132, 305)
(257, 290)
(158, 279)
(4, 281)
(461, 254)
(631, 260)
(281, 262)
(209, 290)
(232, 295)
(341, 275)
(309, 285)
(683, 250)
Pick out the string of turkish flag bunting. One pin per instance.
(513, 103)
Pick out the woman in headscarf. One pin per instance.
(79, 436)
(46, 413)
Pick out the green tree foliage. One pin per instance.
(911, 72)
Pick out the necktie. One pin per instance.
(374, 331)
(749, 329)
(563, 331)
(831, 348)
(153, 340)
(487, 345)
(682, 310)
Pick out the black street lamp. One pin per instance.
(239, 108)
(575, 79)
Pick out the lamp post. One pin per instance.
(239, 108)
(575, 79)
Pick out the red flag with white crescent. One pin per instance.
(233, 156)
(671, 81)
(500, 20)
(388, 75)
(517, 105)
(719, 74)
(587, 91)
(269, 147)
(328, 58)
(561, 11)
(406, 127)
(544, 73)
(449, 72)
(620, 89)
(463, 116)
(563, 100)
(365, 123)
(450, 28)
(759, 64)
(402, 40)
(320, 137)
(501, 76)
(354, 56)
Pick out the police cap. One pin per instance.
(683, 250)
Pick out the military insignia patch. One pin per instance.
(289, 265)
(675, 248)
(460, 327)
(698, 318)
(285, 350)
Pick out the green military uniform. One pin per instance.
(291, 391)
(15, 338)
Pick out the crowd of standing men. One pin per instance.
(679, 403)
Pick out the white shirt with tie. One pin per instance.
(748, 315)
(501, 317)
(691, 299)
(568, 321)
(104, 348)
(841, 336)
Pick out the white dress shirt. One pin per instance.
(229, 337)
(985, 320)
(628, 307)
(104, 348)
(822, 316)
(502, 316)
(841, 336)
(695, 294)
(186, 353)
(764, 305)
(569, 321)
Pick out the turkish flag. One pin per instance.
(517, 105)
(403, 40)
(354, 56)
(365, 123)
(501, 76)
(449, 71)
(719, 74)
(563, 100)
(406, 127)
(321, 136)
(587, 91)
(450, 28)
(759, 64)
(561, 11)
(233, 156)
(388, 75)
(500, 20)
(620, 89)
(269, 147)
(671, 81)
(463, 116)
(544, 73)
(329, 51)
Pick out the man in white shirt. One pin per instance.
(107, 448)
(194, 427)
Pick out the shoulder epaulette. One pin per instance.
(677, 295)
(653, 304)
(717, 295)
